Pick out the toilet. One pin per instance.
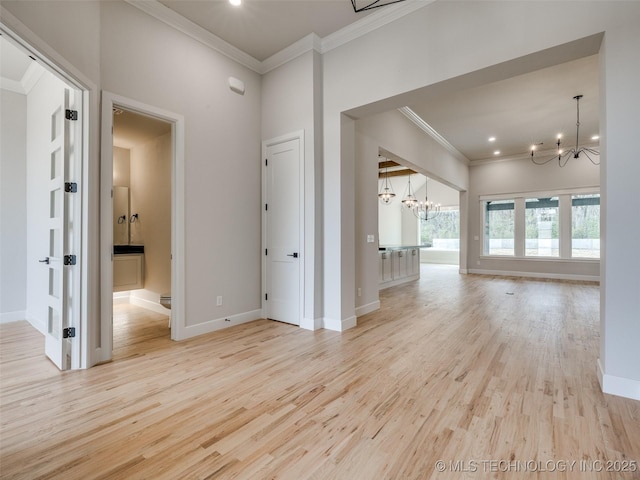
(165, 300)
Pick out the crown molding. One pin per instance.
(311, 42)
(371, 22)
(428, 129)
(31, 76)
(302, 46)
(177, 21)
(11, 85)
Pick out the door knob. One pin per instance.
(46, 260)
(294, 254)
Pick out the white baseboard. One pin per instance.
(8, 317)
(339, 325)
(141, 298)
(368, 308)
(39, 325)
(311, 323)
(464, 271)
(550, 276)
(220, 323)
(621, 387)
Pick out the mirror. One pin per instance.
(121, 215)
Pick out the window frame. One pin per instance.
(564, 226)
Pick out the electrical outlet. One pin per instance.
(371, 238)
(359, 292)
(219, 300)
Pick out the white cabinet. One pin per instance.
(398, 265)
(128, 271)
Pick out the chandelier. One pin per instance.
(423, 210)
(386, 194)
(370, 4)
(563, 156)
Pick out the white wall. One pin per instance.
(150, 195)
(13, 206)
(520, 176)
(292, 101)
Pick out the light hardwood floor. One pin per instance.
(496, 375)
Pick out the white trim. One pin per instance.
(429, 130)
(371, 22)
(16, 316)
(141, 298)
(31, 76)
(11, 86)
(302, 46)
(551, 276)
(178, 317)
(311, 323)
(182, 24)
(221, 323)
(297, 135)
(339, 325)
(37, 324)
(368, 308)
(357, 29)
(619, 386)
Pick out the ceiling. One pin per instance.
(262, 28)
(519, 111)
(132, 129)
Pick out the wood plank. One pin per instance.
(450, 368)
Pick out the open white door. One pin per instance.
(282, 211)
(62, 213)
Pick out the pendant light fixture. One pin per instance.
(426, 210)
(409, 201)
(386, 194)
(564, 155)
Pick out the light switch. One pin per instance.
(371, 238)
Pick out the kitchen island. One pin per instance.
(398, 264)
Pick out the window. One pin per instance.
(442, 232)
(546, 225)
(541, 227)
(499, 227)
(585, 226)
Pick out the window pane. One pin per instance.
(499, 227)
(541, 227)
(442, 232)
(585, 226)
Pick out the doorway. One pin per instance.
(45, 120)
(142, 219)
(142, 158)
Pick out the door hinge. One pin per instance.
(266, 206)
(70, 187)
(69, 259)
(69, 332)
(71, 114)
(266, 252)
(266, 162)
(266, 296)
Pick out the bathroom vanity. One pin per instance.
(128, 267)
(398, 264)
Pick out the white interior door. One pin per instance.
(282, 211)
(57, 341)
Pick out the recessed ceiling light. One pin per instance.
(235, 3)
(497, 152)
(492, 139)
(595, 137)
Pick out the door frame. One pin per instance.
(85, 102)
(109, 101)
(296, 135)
